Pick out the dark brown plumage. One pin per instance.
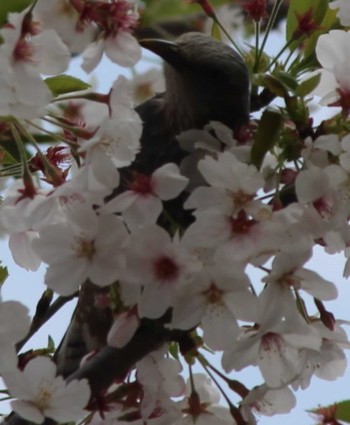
(205, 81)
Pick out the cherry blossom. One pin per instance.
(233, 186)
(39, 393)
(82, 250)
(213, 298)
(202, 404)
(60, 16)
(147, 84)
(265, 401)
(24, 56)
(118, 136)
(160, 378)
(142, 203)
(331, 51)
(286, 270)
(116, 21)
(21, 200)
(160, 265)
(329, 362)
(273, 344)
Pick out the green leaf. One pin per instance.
(159, 10)
(287, 80)
(4, 274)
(343, 411)
(51, 344)
(174, 350)
(267, 135)
(63, 84)
(274, 85)
(8, 6)
(307, 86)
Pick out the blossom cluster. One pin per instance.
(90, 222)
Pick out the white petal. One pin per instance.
(22, 252)
(69, 402)
(92, 55)
(122, 330)
(277, 362)
(123, 49)
(14, 322)
(53, 54)
(220, 327)
(168, 182)
(144, 211)
(27, 411)
(65, 278)
(311, 185)
(317, 286)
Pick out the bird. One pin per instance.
(205, 80)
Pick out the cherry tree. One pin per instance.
(159, 260)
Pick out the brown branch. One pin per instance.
(112, 363)
(40, 319)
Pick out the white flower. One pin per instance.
(160, 265)
(240, 239)
(273, 344)
(287, 271)
(14, 326)
(87, 246)
(343, 12)
(122, 49)
(118, 137)
(147, 84)
(268, 402)
(60, 16)
(94, 181)
(233, 186)
(44, 51)
(24, 56)
(332, 51)
(17, 209)
(39, 393)
(160, 378)
(216, 300)
(202, 407)
(329, 361)
(142, 204)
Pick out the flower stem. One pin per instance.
(269, 27)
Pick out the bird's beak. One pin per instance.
(167, 50)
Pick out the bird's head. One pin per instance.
(205, 80)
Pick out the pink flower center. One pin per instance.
(110, 17)
(166, 269)
(241, 224)
(23, 51)
(213, 295)
(142, 184)
(272, 342)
